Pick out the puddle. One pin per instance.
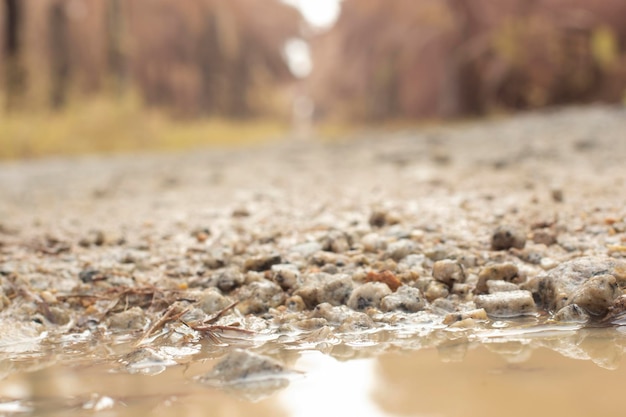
(556, 371)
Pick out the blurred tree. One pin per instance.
(115, 34)
(59, 54)
(194, 57)
(432, 58)
(15, 76)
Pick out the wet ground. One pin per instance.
(198, 283)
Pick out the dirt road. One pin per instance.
(186, 223)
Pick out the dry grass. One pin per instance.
(104, 125)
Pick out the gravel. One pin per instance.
(309, 235)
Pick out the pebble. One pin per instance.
(336, 241)
(506, 237)
(295, 303)
(310, 323)
(544, 236)
(336, 291)
(334, 314)
(461, 290)
(285, 275)
(449, 272)
(386, 277)
(380, 218)
(597, 294)
(4, 300)
(406, 298)
(475, 314)
(356, 322)
(258, 297)
(571, 313)
(262, 262)
(58, 315)
(212, 301)
(435, 290)
(502, 272)
(229, 279)
(368, 295)
(594, 281)
(373, 243)
(132, 319)
(494, 286)
(306, 249)
(507, 304)
(400, 249)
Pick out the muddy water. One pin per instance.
(556, 373)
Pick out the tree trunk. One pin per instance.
(115, 51)
(209, 62)
(60, 55)
(15, 76)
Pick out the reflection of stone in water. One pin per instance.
(249, 375)
(604, 347)
(485, 385)
(146, 361)
(512, 351)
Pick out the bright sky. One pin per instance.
(320, 13)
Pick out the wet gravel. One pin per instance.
(521, 219)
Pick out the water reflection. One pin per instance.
(540, 371)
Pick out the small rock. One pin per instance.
(211, 301)
(507, 237)
(295, 303)
(495, 286)
(462, 290)
(548, 263)
(386, 277)
(262, 262)
(476, 314)
(241, 212)
(229, 279)
(328, 258)
(333, 314)
(336, 291)
(311, 323)
(368, 295)
(306, 249)
(597, 294)
(58, 315)
(336, 241)
(94, 237)
(571, 314)
(544, 236)
(91, 275)
(380, 218)
(356, 322)
(373, 243)
(285, 275)
(131, 319)
(309, 294)
(4, 300)
(259, 296)
(449, 272)
(503, 272)
(400, 249)
(592, 282)
(507, 304)
(435, 290)
(557, 195)
(408, 299)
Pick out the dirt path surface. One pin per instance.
(307, 236)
